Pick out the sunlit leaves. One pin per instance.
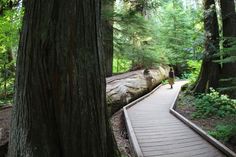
(175, 34)
(10, 23)
(180, 31)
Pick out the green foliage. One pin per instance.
(164, 82)
(140, 5)
(3, 3)
(224, 132)
(121, 65)
(134, 40)
(214, 104)
(180, 32)
(10, 23)
(165, 34)
(194, 68)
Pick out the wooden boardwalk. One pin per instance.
(159, 133)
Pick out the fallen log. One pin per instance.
(124, 88)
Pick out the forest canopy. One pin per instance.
(164, 32)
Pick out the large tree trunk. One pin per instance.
(107, 34)
(60, 98)
(229, 30)
(209, 74)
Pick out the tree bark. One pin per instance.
(107, 35)
(228, 17)
(229, 31)
(209, 74)
(60, 98)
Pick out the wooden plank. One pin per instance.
(194, 149)
(156, 139)
(174, 145)
(158, 127)
(170, 122)
(163, 134)
(208, 154)
(161, 130)
(186, 151)
(201, 152)
(167, 143)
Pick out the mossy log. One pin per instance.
(122, 89)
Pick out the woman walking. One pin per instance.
(171, 78)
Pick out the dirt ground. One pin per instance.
(185, 107)
(121, 136)
(5, 114)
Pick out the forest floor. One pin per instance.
(5, 115)
(5, 119)
(185, 107)
(120, 133)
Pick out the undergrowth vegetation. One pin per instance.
(192, 73)
(224, 132)
(214, 104)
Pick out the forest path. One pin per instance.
(159, 133)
